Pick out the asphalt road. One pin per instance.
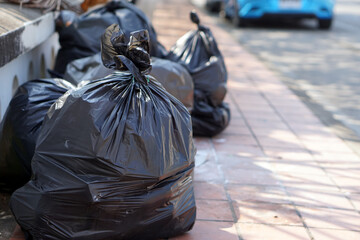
(322, 67)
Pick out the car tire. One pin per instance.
(237, 20)
(324, 23)
(213, 7)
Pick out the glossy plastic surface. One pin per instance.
(114, 159)
(79, 37)
(197, 51)
(21, 126)
(173, 76)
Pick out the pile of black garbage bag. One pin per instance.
(197, 51)
(172, 75)
(114, 158)
(79, 36)
(104, 149)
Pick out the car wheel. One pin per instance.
(213, 7)
(237, 20)
(325, 23)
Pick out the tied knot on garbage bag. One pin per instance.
(195, 19)
(133, 55)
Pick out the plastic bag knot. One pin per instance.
(117, 53)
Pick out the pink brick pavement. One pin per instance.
(276, 172)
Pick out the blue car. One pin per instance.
(241, 11)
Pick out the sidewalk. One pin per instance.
(276, 173)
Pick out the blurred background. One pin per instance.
(320, 64)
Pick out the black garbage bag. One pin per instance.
(21, 126)
(208, 120)
(198, 52)
(79, 36)
(173, 76)
(175, 79)
(114, 159)
(86, 69)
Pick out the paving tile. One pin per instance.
(340, 168)
(336, 146)
(310, 133)
(259, 107)
(242, 94)
(297, 119)
(207, 230)
(230, 161)
(272, 232)
(330, 234)
(300, 167)
(235, 130)
(267, 86)
(316, 198)
(355, 199)
(291, 101)
(282, 134)
(305, 181)
(266, 122)
(289, 154)
(313, 135)
(298, 110)
(330, 218)
(264, 114)
(235, 113)
(208, 171)
(268, 131)
(353, 172)
(238, 122)
(208, 190)
(202, 143)
(281, 143)
(252, 212)
(347, 179)
(213, 210)
(264, 194)
(301, 127)
(174, 26)
(247, 98)
(311, 128)
(256, 119)
(245, 151)
(204, 156)
(348, 184)
(323, 156)
(240, 79)
(250, 177)
(235, 140)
